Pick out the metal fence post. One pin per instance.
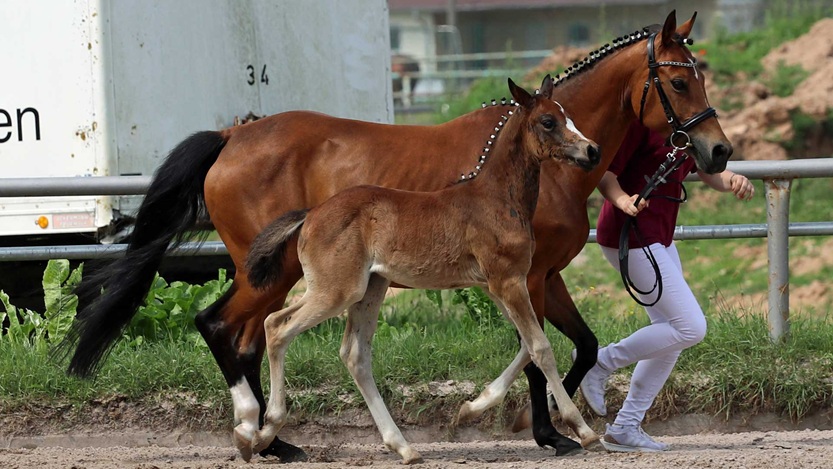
(778, 255)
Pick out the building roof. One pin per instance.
(482, 5)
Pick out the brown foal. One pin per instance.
(477, 232)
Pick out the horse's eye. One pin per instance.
(548, 123)
(678, 84)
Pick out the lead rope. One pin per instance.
(670, 164)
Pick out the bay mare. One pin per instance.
(244, 177)
(475, 233)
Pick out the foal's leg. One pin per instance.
(543, 430)
(316, 306)
(233, 329)
(513, 294)
(496, 391)
(356, 354)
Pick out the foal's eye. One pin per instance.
(678, 84)
(548, 124)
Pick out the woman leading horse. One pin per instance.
(246, 176)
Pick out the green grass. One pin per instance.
(730, 53)
(736, 369)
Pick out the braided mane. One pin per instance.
(603, 51)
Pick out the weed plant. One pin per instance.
(422, 338)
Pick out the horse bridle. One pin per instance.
(670, 115)
(665, 169)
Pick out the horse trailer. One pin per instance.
(107, 87)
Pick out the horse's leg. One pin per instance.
(356, 354)
(513, 294)
(233, 329)
(562, 313)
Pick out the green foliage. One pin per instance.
(27, 327)
(477, 304)
(785, 79)
(483, 90)
(730, 53)
(170, 309)
(805, 127)
(168, 312)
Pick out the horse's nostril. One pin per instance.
(721, 152)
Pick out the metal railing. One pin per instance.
(777, 177)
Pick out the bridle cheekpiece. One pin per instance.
(676, 126)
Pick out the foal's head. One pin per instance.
(551, 133)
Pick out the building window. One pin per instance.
(578, 34)
(395, 38)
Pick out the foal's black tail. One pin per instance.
(265, 259)
(173, 204)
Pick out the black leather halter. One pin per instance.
(680, 130)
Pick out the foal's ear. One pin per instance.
(669, 28)
(685, 29)
(521, 96)
(546, 87)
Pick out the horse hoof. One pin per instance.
(413, 458)
(260, 442)
(593, 443)
(243, 444)
(523, 420)
(284, 451)
(567, 447)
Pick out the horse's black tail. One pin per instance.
(264, 262)
(172, 206)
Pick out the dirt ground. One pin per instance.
(782, 449)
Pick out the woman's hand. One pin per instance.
(741, 187)
(625, 203)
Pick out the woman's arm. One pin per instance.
(729, 181)
(612, 191)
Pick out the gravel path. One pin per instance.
(773, 449)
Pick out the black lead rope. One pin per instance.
(660, 177)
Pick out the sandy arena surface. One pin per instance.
(774, 449)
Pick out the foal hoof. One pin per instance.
(465, 414)
(593, 443)
(260, 442)
(242, 443)
(413, 458)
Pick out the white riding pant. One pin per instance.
(677, 322)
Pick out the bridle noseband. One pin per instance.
(665, 169)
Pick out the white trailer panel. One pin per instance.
(108, 87)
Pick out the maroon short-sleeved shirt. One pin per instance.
(639, 155)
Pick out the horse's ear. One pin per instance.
(669, 28)
(521, 96)
(685, 29)
(546, 87)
